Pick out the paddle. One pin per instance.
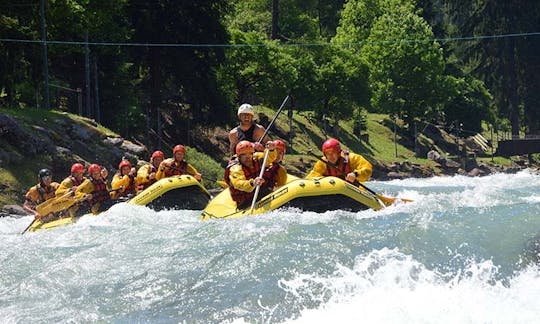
(274, 119)
(27, 227)
(258, 185)
(43, 208)
(61, 203)
(383, 200)
(266, 151)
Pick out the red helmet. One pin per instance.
(280, 145)
(158, 154)
(180, 148)
(123, 164)
(77, 167)
(244, 147)
(331, 144)
(93, 168)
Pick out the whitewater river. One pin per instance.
(462, 252)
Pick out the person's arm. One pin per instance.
(119, 184)
(260, 142)
(238, 179)
(318, 170)
(192, 171)
(143, 175)
(272, 155)
(361, 167)
(30, 202)
(84, 190)
(233, 140)
(64, 187)
(163, 166)
(258, 133)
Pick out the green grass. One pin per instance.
(308, 135)
(41, 116)
(210, 169)
(17, 180)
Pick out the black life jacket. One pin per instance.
(246, 135)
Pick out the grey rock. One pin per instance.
(13, 211)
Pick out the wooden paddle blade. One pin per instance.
(55, 205)
(391, 200)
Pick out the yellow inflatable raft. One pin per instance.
(176, 192)
(38, 225)
(319, 195)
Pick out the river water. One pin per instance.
(465, 251)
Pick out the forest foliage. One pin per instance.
(148, 68)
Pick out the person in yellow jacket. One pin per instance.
(70, 183)
(342, 164)
(177, 165)
(123, 182)
(93, 191)
(146, 175)
(276, 172)
(39, 193)
(242, 173)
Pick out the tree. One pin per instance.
(405, 66)
(258, 70)
(507, 64)
(180, 79)
(469, 103)
(343, 84)
(20, 63)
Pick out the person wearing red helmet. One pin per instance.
(248, 130)
(93, 191)
(276, 174)
(39, 193)
(70, 183)
(146, 175)
(123, 182)
(242, 173)
(342, 164)
(177, 165)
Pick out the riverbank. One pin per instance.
(36, 139)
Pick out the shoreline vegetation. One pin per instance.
(34, 139)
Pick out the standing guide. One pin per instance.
(248, 130)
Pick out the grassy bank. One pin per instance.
(308, 133)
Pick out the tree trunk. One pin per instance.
(275, 19)
(155, 94)
(511, 88)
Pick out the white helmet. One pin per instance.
(245, 109)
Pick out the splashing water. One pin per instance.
(465, 251)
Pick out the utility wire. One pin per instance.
(397, 41)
